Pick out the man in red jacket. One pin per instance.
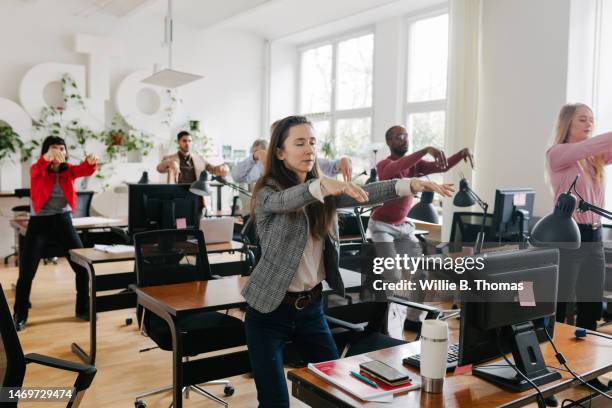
(53, 199)
(389, 229)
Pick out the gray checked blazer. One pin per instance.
(283, 240)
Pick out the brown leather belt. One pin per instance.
(300, 300)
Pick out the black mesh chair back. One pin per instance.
(170, 256)
(83, 205)
(12, 362)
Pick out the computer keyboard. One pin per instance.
(451, 358)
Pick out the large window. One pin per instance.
(336, 94)
(425, 103)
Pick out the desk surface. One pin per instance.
(91, 255)
(589, 357)
(197, 296)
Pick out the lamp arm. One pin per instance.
(232, 185)
(478, 200)
(584, 206)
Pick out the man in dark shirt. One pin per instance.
(185, 166)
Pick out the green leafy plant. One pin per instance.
(10, 143)
(122, 138)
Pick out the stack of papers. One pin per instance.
(115, 249)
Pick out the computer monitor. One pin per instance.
(159, 206)
(513, 209)
(502, 320)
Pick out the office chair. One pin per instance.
(464, 230)
(13, 361)
(83, 204)
(18, 210)
(360, 328)
(175, 256)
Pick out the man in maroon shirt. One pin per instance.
(388, 226)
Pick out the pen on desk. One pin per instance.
(364, 379)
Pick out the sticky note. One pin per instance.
(519, 199)
(526, 296)
(181, 223)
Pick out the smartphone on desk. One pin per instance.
(384, 372)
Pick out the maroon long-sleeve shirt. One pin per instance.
(395, 211)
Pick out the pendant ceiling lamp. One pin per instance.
(170, 78)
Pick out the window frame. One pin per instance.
(428, 106)
(334, 114)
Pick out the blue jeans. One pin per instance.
(267, 334)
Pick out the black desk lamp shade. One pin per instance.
(424, 209)
(558, 230)
(200, 186)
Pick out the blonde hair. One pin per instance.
(562, 133)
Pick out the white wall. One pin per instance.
(227, 100)
(524, 76)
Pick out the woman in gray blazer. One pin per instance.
(295, 213)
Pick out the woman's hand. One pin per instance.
(419, 186)
(55, 156)
(346, 168)
(333, 187)
(91, 159)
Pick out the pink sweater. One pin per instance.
(562, 167)
(395, 211)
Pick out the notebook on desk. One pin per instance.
(338, 373)
(217, 229)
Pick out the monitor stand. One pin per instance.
(528, 358)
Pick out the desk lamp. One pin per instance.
(466, 197)
(424, 210)
(559, 229)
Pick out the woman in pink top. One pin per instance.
(573, 153)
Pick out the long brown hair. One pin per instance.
(562, 133)
(321, 216)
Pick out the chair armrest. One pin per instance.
(432, 312)
(57, 363)
(86, 372)
(344, 324)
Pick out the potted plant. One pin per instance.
(10, 143)
(122, 139)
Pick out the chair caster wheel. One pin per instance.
(228, 390)
(140, 404)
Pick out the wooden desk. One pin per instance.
(20, 225)
(589, 357)
(173, 301)
(126, 299)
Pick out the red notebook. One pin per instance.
(338, 373)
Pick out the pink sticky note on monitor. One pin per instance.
(181, 223)
(526, 296)
(519, 199)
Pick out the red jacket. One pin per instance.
(42, 181)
